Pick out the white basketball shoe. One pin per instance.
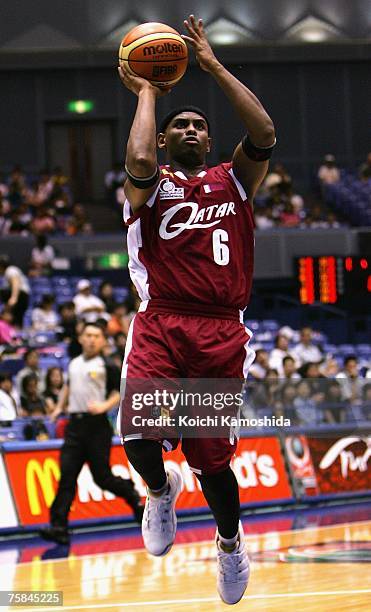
(159, 518)
(233, 570)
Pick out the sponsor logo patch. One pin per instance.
(168, 191)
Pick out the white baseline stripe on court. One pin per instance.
(163, 602)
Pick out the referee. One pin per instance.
(92, 390)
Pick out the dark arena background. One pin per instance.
(305, 488)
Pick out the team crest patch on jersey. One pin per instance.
(168, 190)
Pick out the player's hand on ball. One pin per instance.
(137, 84)
(198, 40)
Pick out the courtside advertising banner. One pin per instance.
(34, 476)
(341, 464)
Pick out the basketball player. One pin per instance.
(191, 244)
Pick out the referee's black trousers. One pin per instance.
(88, 439)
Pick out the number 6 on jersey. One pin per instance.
(220, 249)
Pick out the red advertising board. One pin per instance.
(341, 464)
(258, 465)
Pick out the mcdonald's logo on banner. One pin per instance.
(34, 477)
(41, 476)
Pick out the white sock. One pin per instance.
(229, 543)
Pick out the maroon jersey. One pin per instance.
(193, 241)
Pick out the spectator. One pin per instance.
(365, 169)
(16, 184)
(132, 303)
(31, 359)
(297, 202)
(317, 217)
(30, 195)
(43, 222)
(366, 398)
(285, 397)
(350, 381)
(74, 347)
(43, 316)
(288, 393)
(67, 321)
(32, 403)
(115, 176)
(305, 407)
(24, 215)
(120, 344)
(260, 367)
(45, 187)
(16, 225)
(333, 407)
(328, 172)
(264, 393)
(277, 177)
(306, 351)
(42, 255)
(4, 221)
(88, 306)
(17, 290)
(58, 178)
(331, 221)
(288, 217)
(264, 218)
(7, 331)
(105, 293)
(53, 385)
(78, 223)
(8, 403)
(120, 197)
(4, 189)
(281, 350)
(112, 180)
(289, 368)
(330, 367)
(288, 197)
(316, 380)
(60, 200)
(116, 322)
(116, 359)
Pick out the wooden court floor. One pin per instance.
(318, 569)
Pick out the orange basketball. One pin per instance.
(156, 52)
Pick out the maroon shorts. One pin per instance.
(164, 345)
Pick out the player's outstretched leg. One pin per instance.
(159, 518)
(221, 493)
(233, 568)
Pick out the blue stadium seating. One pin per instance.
(352, 197)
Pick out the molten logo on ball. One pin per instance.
(164, 48)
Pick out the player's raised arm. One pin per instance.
(141, 152)
(250, 158)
